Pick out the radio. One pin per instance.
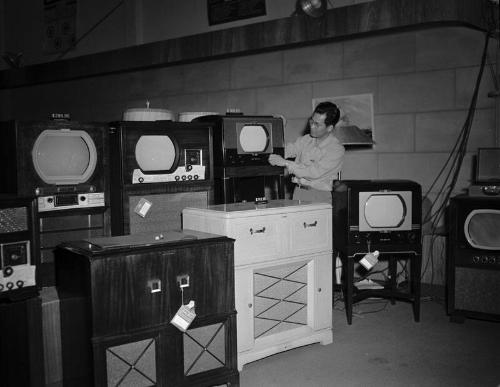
(18, 248)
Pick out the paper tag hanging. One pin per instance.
(184, 317)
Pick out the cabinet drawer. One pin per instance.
(310, 232)
(257, 239)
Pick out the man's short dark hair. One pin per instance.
(331, 110)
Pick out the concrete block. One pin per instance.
(386, 54)
(466, 82)
(343, 87)
(394, 133)
(421, 167)
(448, 47)
(257, 70)
(439, 131)
(196, 102)
(360, 165)
(295, 128)
(244, 99)
(163, 81)
(425, 91)
(313, 63)
(206, 76)
(292, 101)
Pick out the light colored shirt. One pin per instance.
(317, 163)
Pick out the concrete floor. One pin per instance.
(385, 347)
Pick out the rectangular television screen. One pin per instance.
(488, 165)
(385, 211)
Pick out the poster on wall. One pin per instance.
(356, 125)
(224, 11)
(59, 25)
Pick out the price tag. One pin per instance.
(184, 317)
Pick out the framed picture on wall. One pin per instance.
(356, 125)
(224, 11)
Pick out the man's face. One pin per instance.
(318, 128)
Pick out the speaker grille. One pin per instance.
(165, 212)
(477, 290)
(280, 299)
(132, 364)
(204, 349)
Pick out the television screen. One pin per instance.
(64, 156)
(488, 165)
(384, 211)
(156, 153)
(481, 229)
(253, 138)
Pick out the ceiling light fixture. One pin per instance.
(313, 8)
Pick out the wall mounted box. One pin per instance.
(130, 284)
(283, 272)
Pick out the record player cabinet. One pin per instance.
(283, 271)
(130, 290)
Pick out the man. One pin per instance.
(318, 156)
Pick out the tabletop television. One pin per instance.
(369, 214)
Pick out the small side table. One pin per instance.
(390, 291)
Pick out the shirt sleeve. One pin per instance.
(330, 162)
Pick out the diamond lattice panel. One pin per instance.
(280, 299)
(132, 364)
(204, 349)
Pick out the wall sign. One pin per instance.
(60, 25)
(224, 11)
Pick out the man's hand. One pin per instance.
(277, 160)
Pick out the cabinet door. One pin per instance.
(310, 232)
(141, 290)
(243, 283)
(322, 290)
(281, 298)
(258, 239)
(142, 359)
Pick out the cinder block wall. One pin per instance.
(422, 83)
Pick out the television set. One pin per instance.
(19, 244)
(241, 146)
(158, 168)
(488, 166)
(241, 140)
(473, 258)
(62, 163)
(370, 215)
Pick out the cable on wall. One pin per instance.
(452, 166)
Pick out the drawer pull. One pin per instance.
(311, 224)
(260, 231)
(154, 286)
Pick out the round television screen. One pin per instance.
(253, 138)
(155, 153)
(64, 156)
